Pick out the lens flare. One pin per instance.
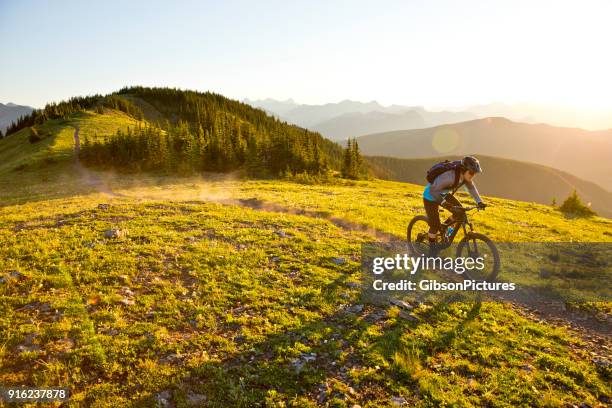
(445, 140)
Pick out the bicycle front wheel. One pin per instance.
(475, 245)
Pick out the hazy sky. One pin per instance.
(433, 53)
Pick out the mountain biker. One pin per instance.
(440, 193)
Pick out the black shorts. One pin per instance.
(433, 212)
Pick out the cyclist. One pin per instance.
(440, 191)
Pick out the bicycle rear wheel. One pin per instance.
(475, 245)
(416, 235)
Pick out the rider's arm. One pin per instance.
(443, 182)
(473, 191)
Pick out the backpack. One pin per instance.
(443, 167)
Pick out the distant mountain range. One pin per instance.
(11, 112)
(504, 178)
(583, 153)
(338, 121)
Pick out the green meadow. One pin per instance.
(158, 290)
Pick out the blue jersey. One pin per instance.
(427, 193)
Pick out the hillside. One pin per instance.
(143, 289)
(580, 152)
(203, 301)
(10, 112)
(187, 131)
(504, 178)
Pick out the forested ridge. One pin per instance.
(195, 131)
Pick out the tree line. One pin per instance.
(227, 145)
(195, 131)
(206, 131)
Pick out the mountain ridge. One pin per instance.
(583, 153)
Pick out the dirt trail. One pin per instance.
(260, 205)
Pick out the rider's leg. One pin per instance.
(433, 216)
(456, 216)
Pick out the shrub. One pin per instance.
(574, 206)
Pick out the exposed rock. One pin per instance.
(401, 303)
(115, 233)
(127, 302)
(304, 358)
(22, 348)
(127, 291)
(338, 261)
(163, 399)
(376, 316)
(103, 206)
(196, 399)
(281, 233)
(309, 356)
(171, 359)
(353, 285)
(15, 275)
(398, 401)
(408, 316)
(41, 307)
(355, 309)
(601, 363)
(322, 391)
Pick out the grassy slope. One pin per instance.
(44, 170)
(224, 305)
(227, 306)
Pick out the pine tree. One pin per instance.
(573, 205)
(357, 160)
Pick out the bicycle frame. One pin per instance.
(465, 224)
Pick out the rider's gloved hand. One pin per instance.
(481, 206)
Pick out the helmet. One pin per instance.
(472, 164)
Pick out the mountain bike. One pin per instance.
(472, 245)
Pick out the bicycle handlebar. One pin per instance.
(474, 207)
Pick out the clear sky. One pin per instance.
(432, 53)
